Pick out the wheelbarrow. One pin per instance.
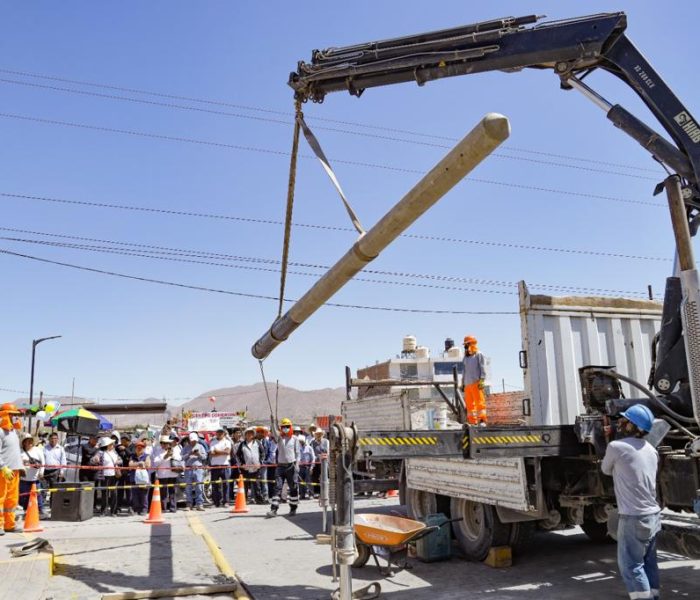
(386, 536)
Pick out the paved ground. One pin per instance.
(562, 566)
(122, 554)
(279, 559)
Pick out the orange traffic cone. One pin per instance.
(241, 506)
(392, 493)
(155, 514)
(31, 518)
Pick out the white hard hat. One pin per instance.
(105, 441)
(194, 437)
(302, 437)
(165, 439)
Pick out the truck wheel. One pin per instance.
(522, 535)
(596, 532)
(479, 529)
(420, 504)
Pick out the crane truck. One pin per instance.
(502, 480)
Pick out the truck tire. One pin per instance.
(596, 532)
(522, 535)
(479, 529)
(420, 503)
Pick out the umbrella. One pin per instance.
(77, 420)
(105, 425)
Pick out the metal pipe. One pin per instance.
(491, 131)
(589, 93)
(343, 440)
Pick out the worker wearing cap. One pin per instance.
(194, 456)
(473, 378)
(262, 434)
(11, 466)
(633, 462)
(220, 461)
(287, 469)
(250, 457)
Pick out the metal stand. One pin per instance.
(324, 497)
(343, 441)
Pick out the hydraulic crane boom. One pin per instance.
(572, 48)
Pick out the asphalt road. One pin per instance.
(279, 559)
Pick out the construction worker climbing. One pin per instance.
(11, 466)
(473, 378)
(288, 453)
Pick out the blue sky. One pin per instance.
(129, 339)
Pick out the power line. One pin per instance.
(314, 118)
(250, 295)
(425, 237)
(332, 129)
(245, 267)
(149, 249)
(180, 139)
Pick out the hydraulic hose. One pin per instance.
(671, 413)
(646, 392)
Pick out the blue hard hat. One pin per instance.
(640, 415)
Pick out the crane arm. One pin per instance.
(572, 48)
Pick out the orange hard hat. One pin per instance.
(470, 339)
(10, 409)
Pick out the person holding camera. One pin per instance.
(108, 475)
(33, 459)
(168, 464)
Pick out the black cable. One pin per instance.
(254, 296)
(180, 139)
(328, 227)
(332, 129)
(149, 248)
(315, 118)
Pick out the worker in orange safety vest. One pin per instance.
(11, 466)
(473, 377)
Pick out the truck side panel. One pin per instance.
(562, 334)
(502, 482)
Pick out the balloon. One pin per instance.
(50, 407)
(41, 415)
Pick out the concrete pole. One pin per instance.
(490, 132)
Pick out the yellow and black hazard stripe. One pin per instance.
(506, 439)
(398, 441)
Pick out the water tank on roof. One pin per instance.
(454, 352)
(422, 352)
(409, 343)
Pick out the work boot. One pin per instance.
(271, 513)
(292, 511)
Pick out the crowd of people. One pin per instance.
(124, 468)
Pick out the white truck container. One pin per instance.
(498, 499)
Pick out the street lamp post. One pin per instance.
(35, 343)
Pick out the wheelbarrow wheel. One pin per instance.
(363, 554)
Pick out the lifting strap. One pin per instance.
(299, 123)
(318, 151)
